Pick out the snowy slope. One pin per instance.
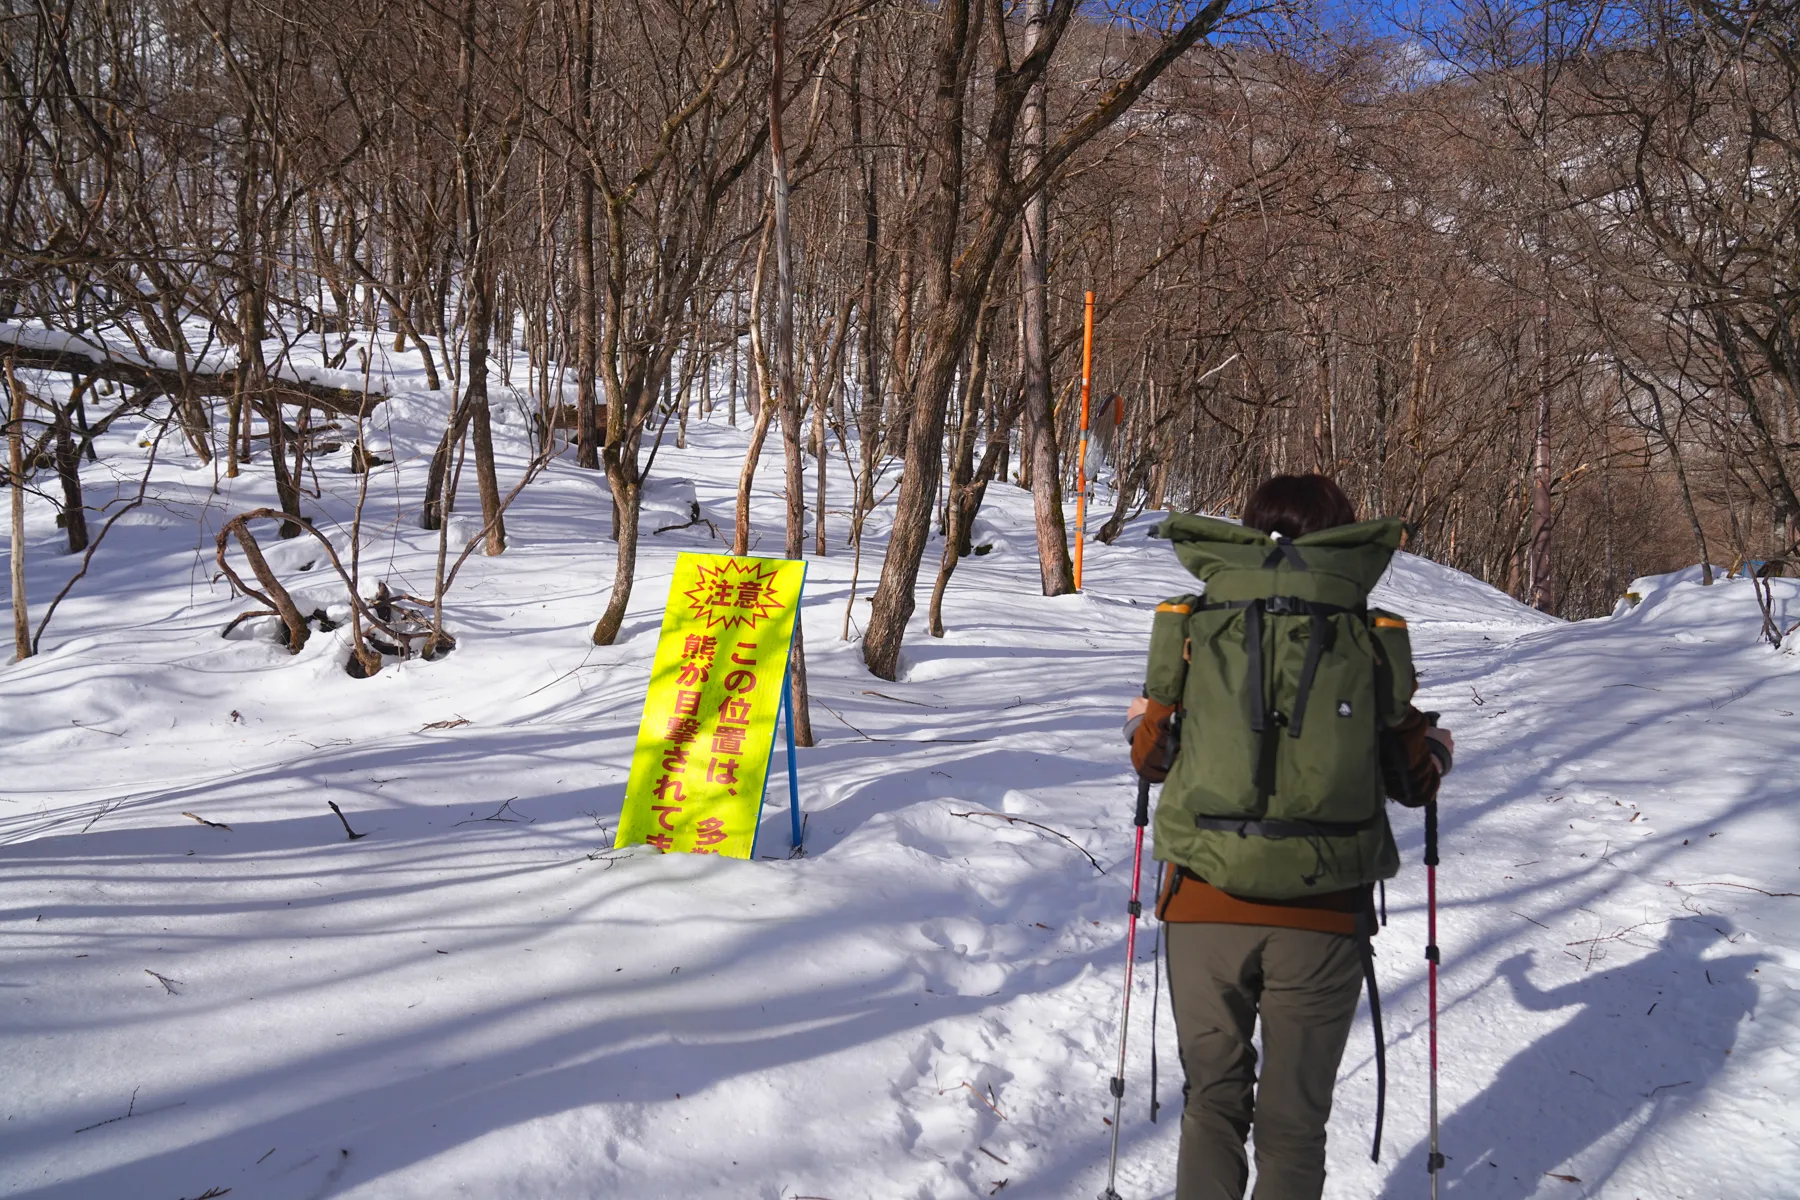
(479, 998)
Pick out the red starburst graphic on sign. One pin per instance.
(733, 593)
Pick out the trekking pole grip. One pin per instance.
(1431, 833)
(1143, 803)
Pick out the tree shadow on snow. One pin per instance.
(1601, 1072)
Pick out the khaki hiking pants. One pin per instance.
(1305, 986)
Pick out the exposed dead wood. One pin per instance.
(1012, 820)
(94, 362)
(346, 820)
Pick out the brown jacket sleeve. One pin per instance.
(1423, 772)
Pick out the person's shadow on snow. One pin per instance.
(1644, 1046)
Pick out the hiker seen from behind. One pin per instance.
(1277, 715)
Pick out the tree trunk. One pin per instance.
(438, 500)
(15, 479)
(1057, 573)
(894, 602)
(480, 317)
(68, 470)
(626, 497)
(868, 377)
(475, 403)
(965, 491)
(759, 371)
(1543, 587)
(587, 429)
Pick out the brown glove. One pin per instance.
(1412, 767)
(1153, 732)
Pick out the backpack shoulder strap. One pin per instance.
(1166, 674)
(1395, 679)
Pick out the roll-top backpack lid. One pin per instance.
(1333, 566)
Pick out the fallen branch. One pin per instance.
(1593, 943)
(847, 725)
(505, 806)
(340, 816)
(110, 1120)
(448, 724)
(104, 809)
(281, 603)
(900, 700)
(169, 986)
(987, 1099)
(1725, 883)
(1012, 820)
(78, 356)
(207, 823)
(697, 519)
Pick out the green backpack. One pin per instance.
(1285, 679)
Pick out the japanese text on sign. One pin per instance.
(703, 747)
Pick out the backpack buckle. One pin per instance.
(1283, 606)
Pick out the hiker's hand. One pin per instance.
(1442, 744)
(1134, 716)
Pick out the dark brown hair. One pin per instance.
(1296, 505)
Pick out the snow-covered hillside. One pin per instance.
(478, 998)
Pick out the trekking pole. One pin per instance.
(1434, 1161)
(1136, 909)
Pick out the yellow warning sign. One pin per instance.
(703, 746)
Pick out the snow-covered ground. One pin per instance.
(479, 998)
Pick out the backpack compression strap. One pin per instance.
(1365, 929)
(1319, 640)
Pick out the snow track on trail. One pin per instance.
(479, 999)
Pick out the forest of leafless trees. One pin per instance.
(1527, 277)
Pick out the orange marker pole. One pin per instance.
(1087, 374)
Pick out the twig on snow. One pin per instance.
(987, 1099)
(445, 724)
(1010, 819)
(104, 809)
(110, 1120)
(168, 986)
(694, 515)
(1726, 883)
(497, 815)
(902, 700)
(207, 823)
(847, 725)
(1593, 943)
(346, 820)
